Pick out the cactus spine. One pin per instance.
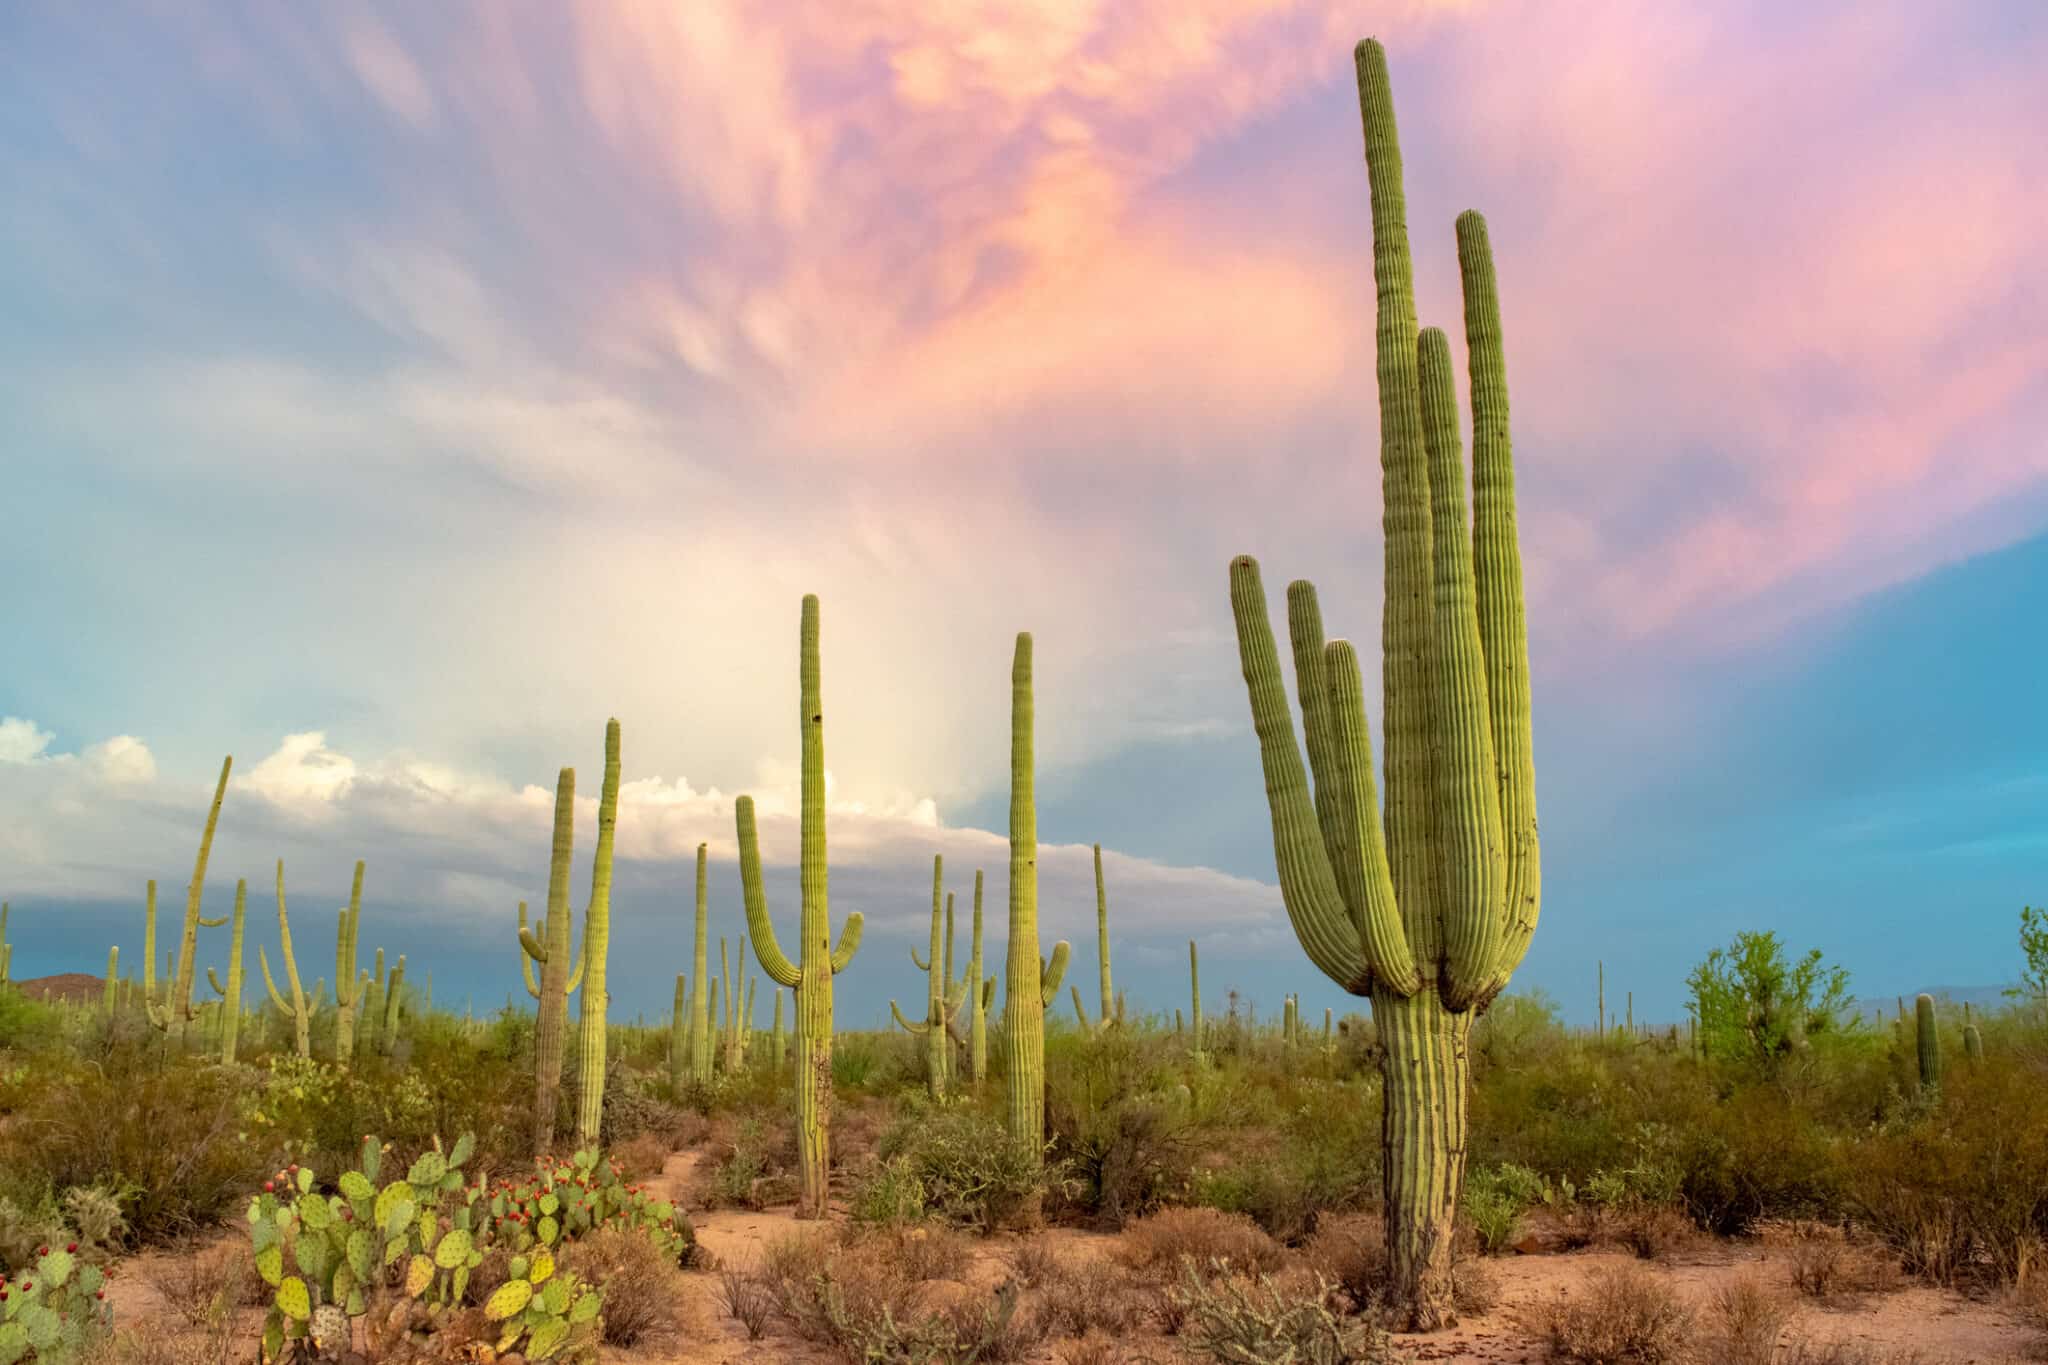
(700, 1009)
(1432, 917)
(348, 990)
(597, 925)
(113, 981)
(938, 1008)
(299, 1011)
(1927, 1043)
(230, 994)
(1973, 1041)
(811, 976)
(1028, 984)
(556, 977)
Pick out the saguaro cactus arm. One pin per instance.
(270, 984)
(534, 951)
(767, 947)
(1052, 973)
(905, 1024)
(849, 943)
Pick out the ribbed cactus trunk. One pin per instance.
(1195, 991)
(1102, 939)
(1028, 984)
(231, 993)
(700, 1004)
(552, 1017)
(933, 1028)
(372, 1012)
(6, 948)
(679, 1036)
(1973, 1040)
(1429, 915)
(811, 976)
(348, 990)
(113, 981)
(717, 1024)
(979, 990)
(177, 1016)
(778, 1048)
(394, 1003)
(597, 928)
(1927, 1044)
(299, 1011)
(950, 999)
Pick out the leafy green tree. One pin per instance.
(1755, 1006)
(2034, 944)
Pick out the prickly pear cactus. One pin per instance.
(53, 1309)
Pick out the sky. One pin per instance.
(393, 393)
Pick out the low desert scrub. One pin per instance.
(641, 1157)
(1093, 1350)
(863, 1304)
(747, 1299)
(1824, 1266)
(1351, 1253)
(644, 1304)
(1229, 1319)
(1654, 1232)
(1157, 1242)
(1628, 1314)
(1032, 1263)
(203, 1286)
(928, 1253)
(1746, 1319)
(1076, 1295)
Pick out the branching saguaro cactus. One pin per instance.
(348, 987)
(700, 1004)
(557, 979)
(300, 1010)
(1431, 917)
(597, 928)
(1029, 984)
(939, 1006)
(811, 976)
(176, 1014)
(231, 994)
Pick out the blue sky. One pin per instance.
(395, 393)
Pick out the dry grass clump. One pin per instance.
(644, 1303)
(1627, 1315)
(747, 1299)
(1747, 1318)
(1033, 1262)
(1350, 1252)
(1236, 1320)
(204, 1285)
(930, 1253)
(642, 1157)
(1825, 1266)
(1654, 1232)
(1158, 1241)
(1076, 1295)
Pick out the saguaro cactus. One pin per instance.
(370, 1015)
(175, 1015)
(700, 1005)
(1195, 990)
(300, 1010)
(1430, 918)
(981, 994)
(348, 987)
(679, 1035)
(1927, 1043)
(597, 928)
(1973, 1040)
(394, 996)
(811, 976)
(938, 1007)
(6, 948)
(778, 1045)
(231, 994)
(113, 981)
(557, 979)
(1029, 985)
(1102, 938)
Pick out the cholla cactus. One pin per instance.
(811, 975)
(301, 1010)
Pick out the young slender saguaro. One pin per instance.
(700, 1003)
(557, 979)
(597, 927)
(1028, 984)
(1429, 916)
(811, 975)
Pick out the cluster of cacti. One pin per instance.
(811, 976)
(557, 979)
(1029, 983)
(52, 1308)
(943, 996)
(1430, 917)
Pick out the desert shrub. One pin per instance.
(970, 1171)
(634, 1115)
(642, 1157)
(746, 1300)
(1494, 1200)
(1033, 1263)
(201, 1285)
(1126, 1145)
(1756, 1008)
(1226, 1319)
(1746, 1318)
(643, 1300)
(165, 1135)
(930, 1253)
(737, 1177)
(1157, 1242)
(1626, 1315)
(888, 1194)
(1078, 1295)
(1756, 1156)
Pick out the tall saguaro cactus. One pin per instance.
(177, 1013)
(1028, 984)
(811, 975)
(1102, 940)
(113, 981)
(980, 995)
(394, 997)
(231, 993)
(700, 1004)
(679, 1036)
(1430, 916)
(300, 1010)
(6, 948)
(1195, 987)
(348, 987)
(597, 925)
(557, 979)
(1927, 1044)
(939, 1007)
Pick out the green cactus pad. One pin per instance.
(453, 1249)
(293, 1300)
(418, 1275)
(506, 1300)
